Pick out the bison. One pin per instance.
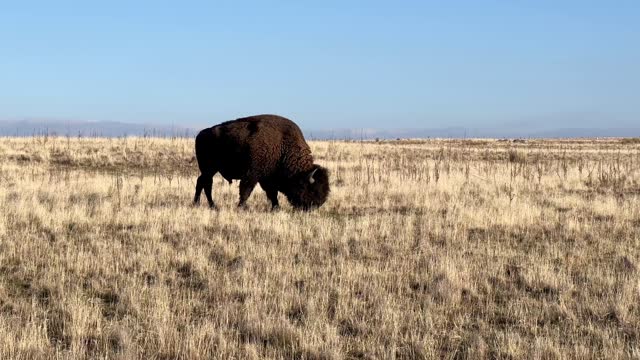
(265, 149)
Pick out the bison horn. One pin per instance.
(311, 179)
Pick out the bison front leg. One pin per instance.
(246, 187)
(272, 194)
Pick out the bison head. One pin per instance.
(309, 190)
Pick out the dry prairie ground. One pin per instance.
(425, 249)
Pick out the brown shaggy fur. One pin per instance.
(265, 149)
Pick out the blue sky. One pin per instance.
(333, 64)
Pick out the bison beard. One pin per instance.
(265, 149)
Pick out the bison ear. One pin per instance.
(311, 179)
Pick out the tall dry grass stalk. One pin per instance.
(425, 249)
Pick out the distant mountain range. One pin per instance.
(116, 129)
(461, 133)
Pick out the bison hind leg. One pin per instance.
(204, 182)
(199, 186)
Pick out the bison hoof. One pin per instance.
(243, 207)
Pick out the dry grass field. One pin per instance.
(425, 249)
